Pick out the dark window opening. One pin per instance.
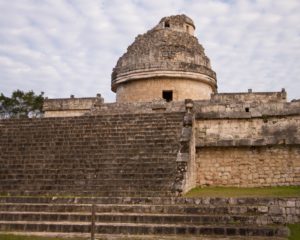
(247, 109)
(187, 28)
(167, 95)
(167, 24)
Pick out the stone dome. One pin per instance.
(168, 51)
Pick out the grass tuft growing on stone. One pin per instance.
(295, 231)
(280, 191)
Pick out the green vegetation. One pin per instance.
(295, 231)
(21, 105)
(282, 191)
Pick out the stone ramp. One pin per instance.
(109, 155)
(140, 216)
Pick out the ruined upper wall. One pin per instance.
(247, 119)
(67, 107)
(249, 97)
(247, 110)
(180, 23)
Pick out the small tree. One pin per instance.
(21, 105)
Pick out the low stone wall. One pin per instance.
(155, 106)
(268, 210)
(248, 166)
(69, 107)
(249, 97)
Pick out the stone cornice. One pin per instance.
(157, 73)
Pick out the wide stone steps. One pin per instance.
(132, 208)
(107, 155)
(213, 201)
(139, 215)
(142, 228)
(129, 218)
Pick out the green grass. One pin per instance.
(282, 191)
(295, 231)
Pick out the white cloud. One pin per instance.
(70, 47)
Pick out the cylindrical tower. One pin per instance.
(166, 62)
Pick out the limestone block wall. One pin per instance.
(256, 148)
(248, 166)
(66, 107)
(66, 113)
(249, 97)
(149, 89)
(137, 107)
(248, 132)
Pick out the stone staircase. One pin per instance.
(140, 216)
(108, 155)
(122, 169)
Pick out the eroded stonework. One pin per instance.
(167, 52)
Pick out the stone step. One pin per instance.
(126, 165)
(84, 193)
(129, 208)
(122, 175)
(203, 201)
(143, 228)
(131, 218)
(110, 182)
(147, 169)
(139, 237)
(89, 188)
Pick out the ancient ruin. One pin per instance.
(126, 165)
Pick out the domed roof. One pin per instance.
(167, 50)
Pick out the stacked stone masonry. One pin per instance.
(249, 139)
(155, 216)
(70, 107)
(129, 154)
(166, 58)
(248, 166)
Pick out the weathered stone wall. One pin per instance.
(243, 110)
(148, 89)
(186, 174)
(249, 97)
(257, 147)
(248, 132)
(137, 107)
(65, 113)
(66, 107)
(248, 166)
(168, 52)
(248, 142)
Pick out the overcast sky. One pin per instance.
(65, 47)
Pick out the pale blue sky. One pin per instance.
(66, 47)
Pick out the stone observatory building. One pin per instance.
(125, 167)
(166, 62)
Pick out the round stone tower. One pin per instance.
(166, 62)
